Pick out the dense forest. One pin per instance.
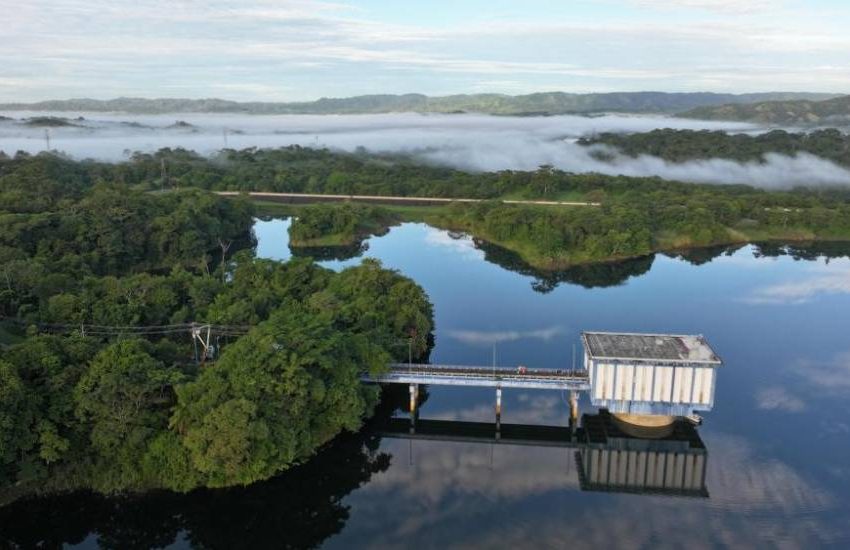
(685, 145)
(337, 225)
(636, 216)
(87, 400)
(90, 250)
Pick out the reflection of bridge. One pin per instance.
(481, 432)
(608, 458)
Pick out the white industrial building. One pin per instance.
(650, 374)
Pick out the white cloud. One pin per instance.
(721, 6)
(804, 290)
(458, 242)
(483, 337)
(146, 47)
(778, 398)
(831, 376)
(446, 485)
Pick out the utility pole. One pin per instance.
(224, 136)
(225, 246)
(195, 342)
(47, 138)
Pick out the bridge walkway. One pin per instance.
(483, 376)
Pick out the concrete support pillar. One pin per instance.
(498, 411)
(573, 409)
(414, 395)
(414, 412)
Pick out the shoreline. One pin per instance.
(435, 217)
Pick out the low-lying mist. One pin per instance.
(470, 142)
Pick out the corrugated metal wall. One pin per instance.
(647, 389)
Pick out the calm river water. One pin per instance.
(778, 439)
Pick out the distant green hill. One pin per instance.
(795, 112)
(549, 103)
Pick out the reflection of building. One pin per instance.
(650, 374)
(610, 456)
(610, 459)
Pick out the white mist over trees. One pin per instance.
(471, 142)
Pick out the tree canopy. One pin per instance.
(80, 408)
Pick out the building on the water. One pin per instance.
(650, 374)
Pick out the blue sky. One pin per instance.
(302, 49)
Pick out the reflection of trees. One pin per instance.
(324, 253)
(615, 273)
(703, 255)
(804, 250)
(799, 251)
(589, 276)
(297, 509)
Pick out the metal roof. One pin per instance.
(662, 348)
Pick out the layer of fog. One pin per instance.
(471, 142)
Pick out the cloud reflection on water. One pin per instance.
(484, 337)
(474, 495)
(459, 243)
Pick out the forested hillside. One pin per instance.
(802, 112)
(636, 216)
(545, 103)
(87, 400)
(685, 145)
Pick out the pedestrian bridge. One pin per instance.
(481, 376)
(640, 375)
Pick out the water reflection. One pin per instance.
(609, 456)
(328, 253)
(778, 439)
(700, 256)
(304, 506)
(805, 250)
(597, 275)
(298, 509)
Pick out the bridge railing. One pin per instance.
(467, 371)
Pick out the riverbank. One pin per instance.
(453, 217)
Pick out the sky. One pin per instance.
(288, 50)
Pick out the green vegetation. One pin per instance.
(49, 122)
(637, 216)
(299, 508)
(129, 411)
(643, 221)
(785, 112)
(546, 103)
(685, 145)
(337, 224)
